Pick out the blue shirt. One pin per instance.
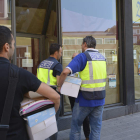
(76, 65)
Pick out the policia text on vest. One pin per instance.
(45, 72)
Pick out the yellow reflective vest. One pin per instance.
(45, 72)
(94, 76)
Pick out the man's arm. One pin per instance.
(62, 78)
(57, 77)
(58, 88)
(76, 65)
(48, 92)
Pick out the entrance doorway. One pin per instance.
(36, 27)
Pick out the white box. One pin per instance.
(43, 130)
(71, 86)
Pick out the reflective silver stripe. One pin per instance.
(93, 81)
(90, 70)
(92, 89)
(48, 82)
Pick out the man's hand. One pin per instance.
(62, 78)
(51, 94)
(58, 89)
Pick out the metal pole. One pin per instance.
(13, 24)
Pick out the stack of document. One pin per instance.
(30, 105)
(71, 86)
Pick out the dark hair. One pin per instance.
(91, 42)
(53, 48)
(5, 36)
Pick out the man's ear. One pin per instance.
(6, 47)
(56, 53)
(85, 45)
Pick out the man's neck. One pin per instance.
(53, 56)
(4, 55)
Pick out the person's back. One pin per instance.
(26, 82)
(49, 70)
(91, 66)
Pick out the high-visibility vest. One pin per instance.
(45, 72)
(94, 76)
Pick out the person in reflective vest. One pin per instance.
(91, 66)
(49, 71)
(86, 127)
(93, 76)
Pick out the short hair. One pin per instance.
(5, 36)
(90, 41)
(53, 48)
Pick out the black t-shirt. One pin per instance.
(26, 82)
(57, 69)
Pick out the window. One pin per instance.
(69, 41)
(79, 41)
(138, 31)
(110, 41)
(99, 41)
(134, 39)
(5, 16)
(68, 53)
(96, 21)
(109, 55)
(101, 51)
(9, 6)
(136, 46)
(134, 31)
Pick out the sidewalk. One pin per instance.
(121, 128)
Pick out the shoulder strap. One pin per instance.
(13, 79)
(88, 56)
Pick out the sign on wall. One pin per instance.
(136, 10)
(27, 62)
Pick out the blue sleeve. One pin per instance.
(78, 63)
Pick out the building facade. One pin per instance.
(115, 24)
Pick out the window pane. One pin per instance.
(27, 52)
(136, 46)
(99, 41)
(5, 13)
(33, 49)
(99, 20)
(30, 15)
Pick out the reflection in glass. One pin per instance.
(30, 15)
(136, 46)
(5, 13)
(51, 33)
(27, 52)
(99, 20)
(31, 19)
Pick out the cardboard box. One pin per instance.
(71, 86)
(40, 128)
(40, 116)
(33, 95)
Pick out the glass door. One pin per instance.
(28, 53)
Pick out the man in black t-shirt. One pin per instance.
(26, 82)
(49, 72)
